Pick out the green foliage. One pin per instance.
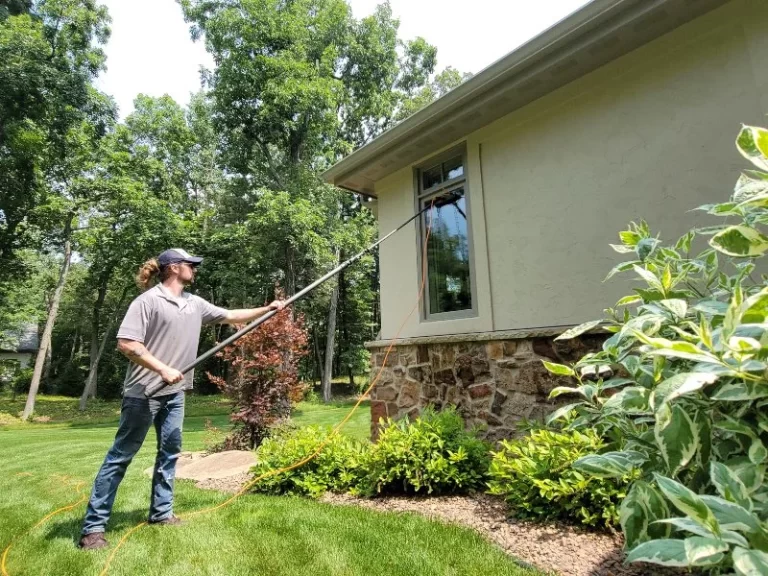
(336, 468)
(21, 381)
(326, 81)
(728, 530)
(432, 454)
(49, 54)
(442, 83)
(535, 474)
(119, 193)
(684, 405)
(24, 298)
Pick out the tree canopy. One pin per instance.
(233, 175)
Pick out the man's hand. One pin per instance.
(171, 375)
(242, 316)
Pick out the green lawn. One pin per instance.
(62, 411)
(256, 535)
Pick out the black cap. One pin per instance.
(176, 255)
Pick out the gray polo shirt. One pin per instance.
(169, 328)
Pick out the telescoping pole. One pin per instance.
(155, 388)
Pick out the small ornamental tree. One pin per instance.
(263, 377)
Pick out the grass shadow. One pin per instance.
(70, 528)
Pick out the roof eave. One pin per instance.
(576, 30)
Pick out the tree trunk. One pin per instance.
(329, 342)
(78, 347)
(89, 390)
(74, 345)
(45, 343)
(318, 355)
(47, 369)
(90, 384)
(291, 276)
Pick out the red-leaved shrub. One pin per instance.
(263, 377)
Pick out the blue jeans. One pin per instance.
(136, 416)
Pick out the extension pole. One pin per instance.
(154, 389)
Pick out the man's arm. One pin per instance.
(246, 315)
(137, 353)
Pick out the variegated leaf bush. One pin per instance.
(679, 391)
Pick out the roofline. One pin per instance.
(578, 31)
(489, 75)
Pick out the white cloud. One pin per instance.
(151, 52)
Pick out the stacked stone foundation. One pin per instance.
(493, 383)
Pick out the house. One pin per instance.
(20, 346)
(627, 109)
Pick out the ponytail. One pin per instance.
(147, 275)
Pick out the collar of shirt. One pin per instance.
(180, 301)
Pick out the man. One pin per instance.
(159, 334)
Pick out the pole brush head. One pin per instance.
(449, 198)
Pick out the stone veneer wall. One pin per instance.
(494, 383)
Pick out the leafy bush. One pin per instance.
(434, 453)
(337, 468)
(263, 378)
(7, 419)
(686, 406)
(22, 381)
(535, 475)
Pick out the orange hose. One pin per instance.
(118, 545)
(83, 498)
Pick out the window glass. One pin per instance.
(448, 273)
(431, 177)
(453, 168)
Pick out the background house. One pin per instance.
(20, 346)
(624, 110)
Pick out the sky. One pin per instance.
(151, 52)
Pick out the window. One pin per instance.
(442, 185)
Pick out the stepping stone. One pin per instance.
(197, 466)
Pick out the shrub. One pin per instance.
(22, 381)
(263, 377)
(432, 454)
(7, 419)
(687, 405)
(337, 468)
(535, 475)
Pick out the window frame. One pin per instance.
(421, 197)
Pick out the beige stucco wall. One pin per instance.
(648, 136)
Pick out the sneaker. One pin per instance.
(93, 541)
(170, 521)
